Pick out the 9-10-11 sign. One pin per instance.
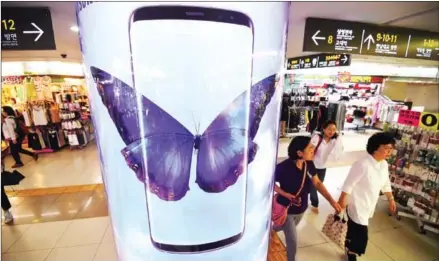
(324, 35)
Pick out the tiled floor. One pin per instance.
(73, 224)
(57, 217)
(63, 168)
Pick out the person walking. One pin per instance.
(328, 147)
(360, 192)
(296, 175)
(13, 133)
(6, 204)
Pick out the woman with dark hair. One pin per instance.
(360, 192)
(296, 175)
(13, 133)
(328, 147)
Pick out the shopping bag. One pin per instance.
(335, 228)
(279, 214)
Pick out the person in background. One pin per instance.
(13, 133)
(296, 175)
(328, 147)
(360, 192)
(6, 204)
(284, 115)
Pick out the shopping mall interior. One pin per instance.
(60, 209)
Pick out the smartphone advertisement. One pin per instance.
(185, 102)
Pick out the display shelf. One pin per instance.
(414, 174)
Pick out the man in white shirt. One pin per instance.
(360, 192)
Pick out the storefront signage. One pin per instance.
(12, 79)
(409, 118)
(429, 121)
(423, 120)
(27, 29)
(366, 79)
(319, 61)
(324, 35)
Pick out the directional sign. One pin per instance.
(319, 61)
(27, 29)
(323, 35)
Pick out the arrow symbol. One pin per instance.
(302, 62)
(345, 58)
(368, 40)
(39, 32)
(315, 37)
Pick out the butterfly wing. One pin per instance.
(150, 133)
(261, 94)
(227, 147)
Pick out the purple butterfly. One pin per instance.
(224, 148)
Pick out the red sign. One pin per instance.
(410, 118)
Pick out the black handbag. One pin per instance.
(11, 179)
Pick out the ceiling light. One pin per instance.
(74, 28)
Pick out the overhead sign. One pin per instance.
(323, 35)
(319, 61)
(27, 29)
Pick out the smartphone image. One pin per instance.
(183, 57)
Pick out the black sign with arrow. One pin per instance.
(27, 29)
(319, 61)
(324, 35)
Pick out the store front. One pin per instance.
(51, 100)
(360, 96)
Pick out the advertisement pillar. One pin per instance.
(185, 101)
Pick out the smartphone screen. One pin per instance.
(193, 62)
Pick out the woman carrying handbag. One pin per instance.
(296, 176)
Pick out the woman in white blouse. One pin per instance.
(360, 192)
(328, 146)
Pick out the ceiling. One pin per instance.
(416, 15)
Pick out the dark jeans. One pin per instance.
(356, 237)
(313, 196)
(6, 204)
(16, 149)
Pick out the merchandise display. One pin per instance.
(414, 170)
(51, 122)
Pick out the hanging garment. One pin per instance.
(54, 114)
(81, 138)
(53, 140)
(39, 116)
(73, 139)
(313, 121)
(34, 141)
(61, 138)
(41, 139)
(27, 118)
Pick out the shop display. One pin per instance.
(50, 121)
(414, 170)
